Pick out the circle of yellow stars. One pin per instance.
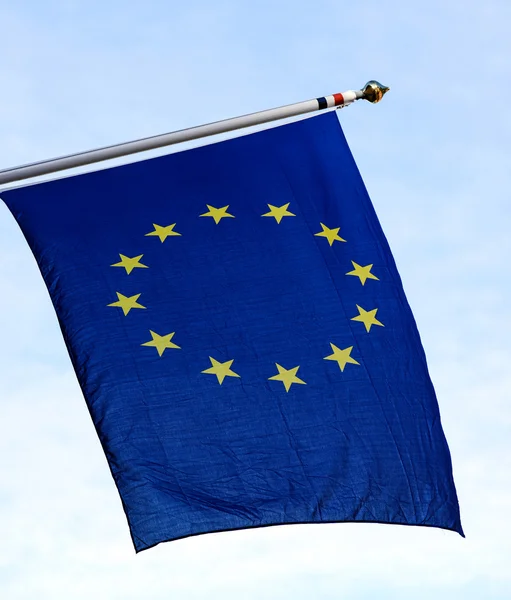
(221, 370)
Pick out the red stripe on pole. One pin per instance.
(339, 99)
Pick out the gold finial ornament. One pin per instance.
(373, 91)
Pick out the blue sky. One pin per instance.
(435, 158)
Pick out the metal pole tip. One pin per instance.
(373, 91)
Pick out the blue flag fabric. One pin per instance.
(242, 339)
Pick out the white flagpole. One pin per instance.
(372, 91)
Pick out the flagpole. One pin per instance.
(372, 91)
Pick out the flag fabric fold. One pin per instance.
(240, 333)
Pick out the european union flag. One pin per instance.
(242, 339)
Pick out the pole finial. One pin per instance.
(373, 91)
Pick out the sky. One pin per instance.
(434, 155)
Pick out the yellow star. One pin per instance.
(341, 356)
(332, 235)
(161, 342)
(287, 376)
(217, 213)
(127, 302)
(163, 232)
(367, 317)
(221, 370)
(130, 263)
(279, 212)
(363, 273)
